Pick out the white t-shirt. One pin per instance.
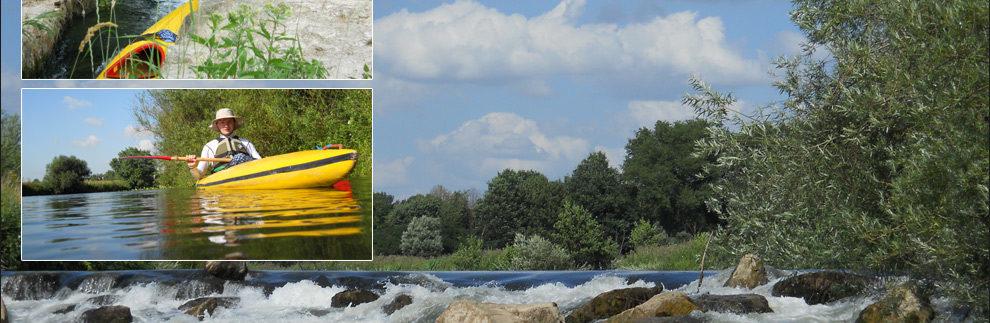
(210, 149)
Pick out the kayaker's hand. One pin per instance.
(191, 160)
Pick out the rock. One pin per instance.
(227, 270)
(663, 304)
(611, 303)
(66, 309)
(103, 300)
(203, 306)
(736, 304)
(821, 287)
(397, 304)
(470, 312)
(3, 312)
(108, 314)
(352, 298)
(749, 273)
(901, 304)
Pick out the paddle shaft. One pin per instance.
(222, 160)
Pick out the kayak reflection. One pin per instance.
(276, 213)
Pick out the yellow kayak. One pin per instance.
(144, 58)
(304, 169)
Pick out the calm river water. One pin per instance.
(191, 224)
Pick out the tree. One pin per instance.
(11, 142)
(664, 176)
(879, 157)
(422, 237)
(66, 174)
(455, 217)
(598, 188)
(582, 236)
(388, 235)
(138, 173)
(517, 202)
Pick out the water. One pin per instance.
(191, 224)
(304, 296)
(132, 17)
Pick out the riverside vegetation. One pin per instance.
(878, 159)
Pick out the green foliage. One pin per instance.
(666, 178)
(598, 188)
(678, 256)
(10, 225)
(65, 174)
(468, 256)
(11, 144)
(517, 202)
(878, 158)
(536, 253)
(277, 121)
(583, 238)
(647, 234)
(255, 44)
(455, 216)
(422, 237)
(390, 228)
(136, 172)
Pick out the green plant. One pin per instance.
(254, 44)
(583, 238)
(422, 237)
(536, 253)
(647, 234)
(66, 174)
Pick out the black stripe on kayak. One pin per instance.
(287, 169)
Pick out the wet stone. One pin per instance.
(108, 314)
(397, 304)
(352, 298)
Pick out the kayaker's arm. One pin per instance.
(191, 162)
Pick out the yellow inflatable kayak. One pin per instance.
(304, 169)
(144, 58)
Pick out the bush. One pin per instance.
(422, 237)
(536, 253)
(468, 255)
(647, 234)
(583, 238)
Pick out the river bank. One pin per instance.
(37, 44)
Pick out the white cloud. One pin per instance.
(468, 41)
(136, 132)
(498, 141)
(74, 103)
(94, 121)
(146, 144)
(392, 172)
(90, 141)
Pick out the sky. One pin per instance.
(466, 89)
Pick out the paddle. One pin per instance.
(223, 160)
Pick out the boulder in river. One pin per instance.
(749, 273)
(471, 312)
(227, 270)
(203, 306)
(612, 302)
(736, 304)
(397, 304)
(904, 303)
(663, 304)
(3, 312)
(108, 314)
(821, 287)
(352, 298)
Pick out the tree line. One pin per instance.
(590, 214)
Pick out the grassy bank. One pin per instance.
(39, 188)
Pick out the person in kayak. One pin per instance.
(226, 145)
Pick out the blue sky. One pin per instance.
(465, 89)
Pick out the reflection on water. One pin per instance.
(189, 224)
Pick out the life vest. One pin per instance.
(227, 148)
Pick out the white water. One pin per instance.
(305, 301)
